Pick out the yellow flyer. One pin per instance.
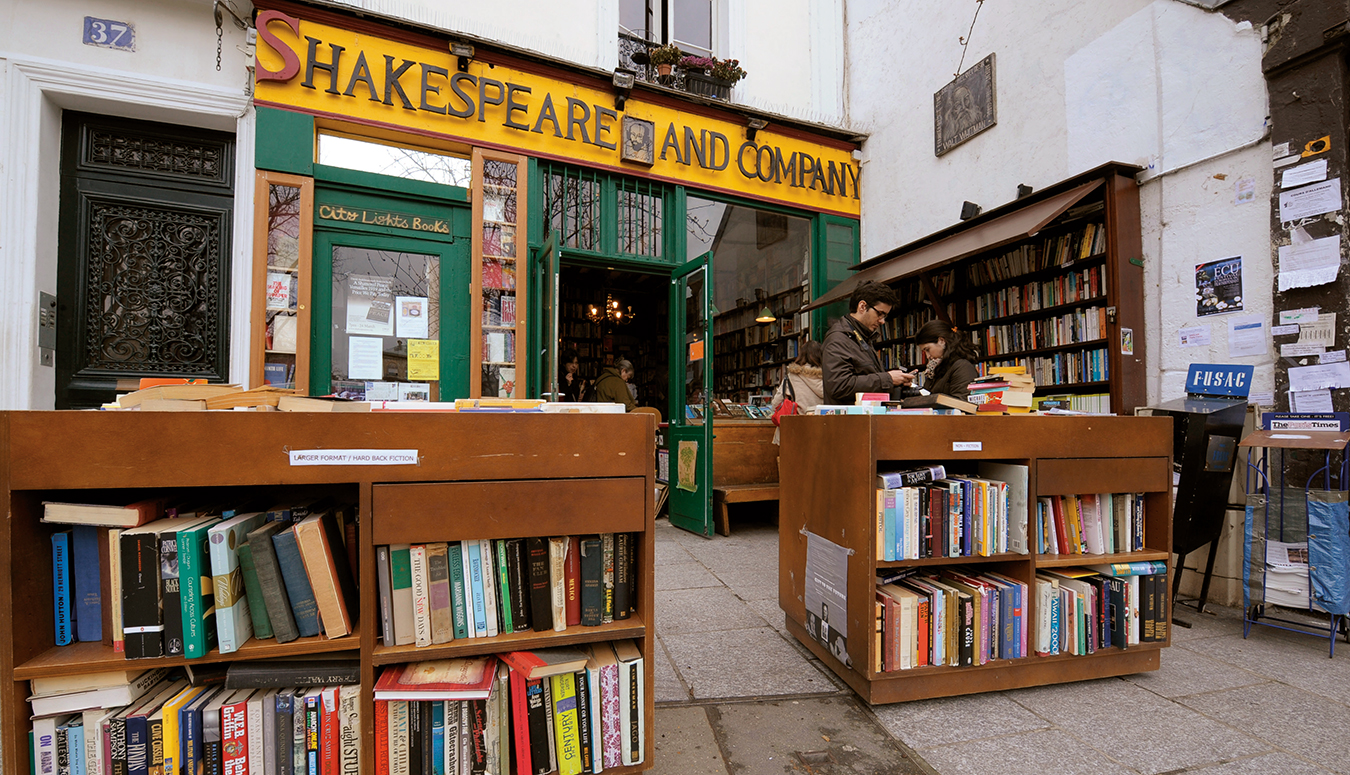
(424, 359)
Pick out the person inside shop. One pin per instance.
(849, 362)
(571, 386)
(612, 385)
(950, 359)
(803, 382)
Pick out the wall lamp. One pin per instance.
(623, 86)
(465, 53)
(752, 128)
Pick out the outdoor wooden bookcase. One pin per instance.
(478, 476)
(829, 472)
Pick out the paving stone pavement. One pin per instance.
(736, 695)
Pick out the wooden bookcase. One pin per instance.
(829, 471)
(979, 289)
(497, 339)
(749, 356)
(478, 476)
(283, 224)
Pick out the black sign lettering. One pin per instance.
(362, 73)
(457, 82)
(427, 88)
(515, 107)
(329, 67)
(391, 82)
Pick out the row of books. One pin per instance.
(439, 592)
(174, 727)
(1082, 285)
(1102, 523)
(1081, 610)
(953, 617)
(1035, 256)
(1081, 325)
(566, 711)
(202, 577)
(1061, 368)
(927, 513)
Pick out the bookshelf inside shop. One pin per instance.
(499, 207)
(749, 355)
(587, 323)
(830, 485)
(1065, 302)
(283, 227)
(587, 475)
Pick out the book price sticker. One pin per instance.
(967, 446)
(353, 457)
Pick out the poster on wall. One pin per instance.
(827, 594)
(370, 305)
(965, 107)
(1218, 286)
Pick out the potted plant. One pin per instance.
(665, 57)
(711, 77)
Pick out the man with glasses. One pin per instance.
(849, 362)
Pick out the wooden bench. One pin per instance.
(745, 466)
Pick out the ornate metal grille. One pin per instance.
(153, 300)
(164, 156)
(631, 44)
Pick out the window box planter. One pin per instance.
(698, 82)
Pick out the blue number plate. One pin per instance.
(108, 33)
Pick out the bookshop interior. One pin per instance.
(327, 588)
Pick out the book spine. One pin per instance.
(459, 617)
(517, 570)
(44, 746)
(437, 752)
(623, 590)
(114, 597)
(520, 723)
(170, 592)
(154, 733)
(386, 594)
(257, 739)
(211, 756)
(474, 588)
(299, 747)
(196, 594)
(630, 710)
(62, 587)
(257, 605)
(267, 762)
(417, 559)
(141, 621)
(325, 562)
(328, 729)
(592, 573)
(572, 579)
(477, 736)
(541, 603)
(275, 675)
(298, 590)
(486, 557)
(567, 732)
(381, 737)
(234, 738)
(88, 595)
(584, 715)
(557, 580)
(398, 737)
(540, 737)
(438, 579)
(607, 550)
(610, 698)
(453, 750)
(400, 583)
(285, 734)
(503, 588)
(233, 624)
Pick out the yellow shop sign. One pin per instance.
(364, 79)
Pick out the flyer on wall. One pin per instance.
(827, 594)
(1218, 286)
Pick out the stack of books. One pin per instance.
(154, 579)
(563, 710)
(1006, 390)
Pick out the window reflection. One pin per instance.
(407, 163)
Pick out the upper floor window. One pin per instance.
(693, 25)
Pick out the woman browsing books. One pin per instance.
(805, 376)
(949, 357)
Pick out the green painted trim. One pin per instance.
(820, 281)
(284, 141)
(321, 314)
(609, 216)
(534, 228)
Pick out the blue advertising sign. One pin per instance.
(109, 33)
(1219, 379)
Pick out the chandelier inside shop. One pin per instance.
(612, 312)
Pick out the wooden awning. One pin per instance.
(1025, 221)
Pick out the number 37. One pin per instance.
(105, 32)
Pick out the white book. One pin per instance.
(398, 737)
(421, 597)
(451, 744)
(108, 697)
(404, 631)
(1092, 524)
(349, 729)
(269, 734)
(632, 713)
(44, 742)
(488, 558)
(1133, 607)
(87, 682)
(471, 623)
(234, 623)
(1106, 503)
(254, 733)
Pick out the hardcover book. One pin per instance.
(421, 599)
(632, 712)
(557, 580)
(611, 737)
(400, 576)
(438, 578)
(142, 618)
(542, 663)
(507, 618)
(567, 734)
(572, 580)
(234, 623)
(298, 590)
(473, 587)
(518, 575)
(271, 582)
(592, 580)
(134, 515)
(303, 671)
(468, 678)
(488, 559)
(63, 583)
(87, 594)
(624, 573)
(171, 582)
(384, 581)
(321, 548)
(541, 599)
(458, 611)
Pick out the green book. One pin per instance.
(257, 607)
(457, 591)
(400, 577)
(197, 590)
(503, 588)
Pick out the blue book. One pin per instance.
(190, 730)
(87, 598)
(138, 745)
(298, 590)
(75, 747)
(437, 738)
(476, 581)
(285, 734)
(62, 587)
(890, 508)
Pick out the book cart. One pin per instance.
(829, 474)
(478, 476)
(1296, 548)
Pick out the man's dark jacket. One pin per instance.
(850, 364)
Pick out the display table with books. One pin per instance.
(182, 590)
(937, 555)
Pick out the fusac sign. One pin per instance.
(366, 79)
(1213, 379)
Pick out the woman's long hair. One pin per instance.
(810, 354)
(959, 344)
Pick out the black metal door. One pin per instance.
(143, 255)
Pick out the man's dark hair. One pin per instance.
(873, 293)
(569, 355)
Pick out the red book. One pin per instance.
(542, 663)
(381, 737)
(1061, 532)
(329, 751)
(925, 630)
(520, 721)
(890, 636)
(465, 678)
(572, 577)
(234, 735)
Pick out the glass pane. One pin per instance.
(640, 218)
(386, 323)
(572, 206)
(633, 17)
(408, 163)
(692, 24)
(283, 255)
(696, 351)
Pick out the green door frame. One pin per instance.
(691, 500)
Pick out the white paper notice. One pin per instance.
(1284, 330)
(1331, 375)
(1310, 201)
(1336, 356)
(353, 457)
(1321, 331)
(365, 357)
(1311, 263)
(1303, 174)
(1280, 150)
(1246, 336)
(1195, 336)
(1300, 350)
(1310, 401)
(411, 317)
(1244, 191)
(1305, 315)
(1261, 399)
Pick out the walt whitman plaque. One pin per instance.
(965, 107)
